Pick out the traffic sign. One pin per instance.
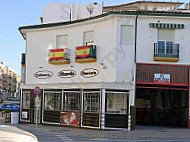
(37, 90)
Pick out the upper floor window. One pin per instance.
(127, 35)
(166, 35)
(61, 41)
(88, 38)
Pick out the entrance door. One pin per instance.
(162, 107)
(91, 109)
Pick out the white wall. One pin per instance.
(60, 12)
(40, 41)
(125, 53)
(148, 36)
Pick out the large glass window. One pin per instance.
(52, 101)
(116, 103)
(91, 102)
(72, 101)
(26, 100)
(62, 41)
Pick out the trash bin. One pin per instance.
(14, 117)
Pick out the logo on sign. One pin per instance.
(161, 78)
(43, 74)
(88, 73)
(67, 73)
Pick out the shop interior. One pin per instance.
(162, 107)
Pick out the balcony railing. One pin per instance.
(164, 50)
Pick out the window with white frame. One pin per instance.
(61, 41)
(72, 101)
(88, 38)
(52, 101)
(91, 102)
(26, 99)
(116, 103)
(127, 35)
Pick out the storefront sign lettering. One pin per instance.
(43, 74)
(161, 78)
(67, 73)
(87, 73)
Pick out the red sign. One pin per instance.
(37, 90)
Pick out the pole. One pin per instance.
(36, 111)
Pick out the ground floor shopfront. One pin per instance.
(91, 108)
(162, 95)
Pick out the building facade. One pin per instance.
(94, 72)
(9, 83)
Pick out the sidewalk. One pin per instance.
(141, 132)
(13, 134)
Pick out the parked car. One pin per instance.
(11, 106)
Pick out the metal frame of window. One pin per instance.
(166, 49)
(24, 94)
(71, 101)
(55, 102)
(125, 97)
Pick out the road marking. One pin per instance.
(65, 138)
(155, 140)
(98, 139)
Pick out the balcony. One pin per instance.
(166, 51)
(85, 54)
(59, 56)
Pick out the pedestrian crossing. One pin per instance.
(65, 138)
(68, 139)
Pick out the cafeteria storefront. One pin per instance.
(88, 108)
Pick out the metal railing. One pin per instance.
(166, 49)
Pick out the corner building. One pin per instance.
(97, 72)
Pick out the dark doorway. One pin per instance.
(162, 107)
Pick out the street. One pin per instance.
(46, 133)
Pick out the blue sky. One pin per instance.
(15, 13)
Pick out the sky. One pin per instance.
(16, 13)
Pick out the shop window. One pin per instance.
(72, 101)
(91, 102)
(88, 38)
(116, 103)
(26, 100)
(61, 41)
(52, 101)
(127, 35)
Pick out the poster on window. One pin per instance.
(70, 119)
(161, 78)
(24, 115)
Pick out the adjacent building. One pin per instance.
(9, 83)
(97, 72)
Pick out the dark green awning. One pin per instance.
(166, 26)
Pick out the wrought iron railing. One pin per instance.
(166, 49)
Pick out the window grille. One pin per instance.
(52, 101)
(91, 102)
(72, 101)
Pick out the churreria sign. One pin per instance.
(43, 74)
(87, 73)
(67, 73)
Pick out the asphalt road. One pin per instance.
(142, 134)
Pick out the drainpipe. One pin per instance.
(132, 116)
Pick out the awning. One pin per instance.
(166, 26)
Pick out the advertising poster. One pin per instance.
(70, 119)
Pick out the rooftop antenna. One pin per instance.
(90, 8)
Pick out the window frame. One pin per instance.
(58, 43)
